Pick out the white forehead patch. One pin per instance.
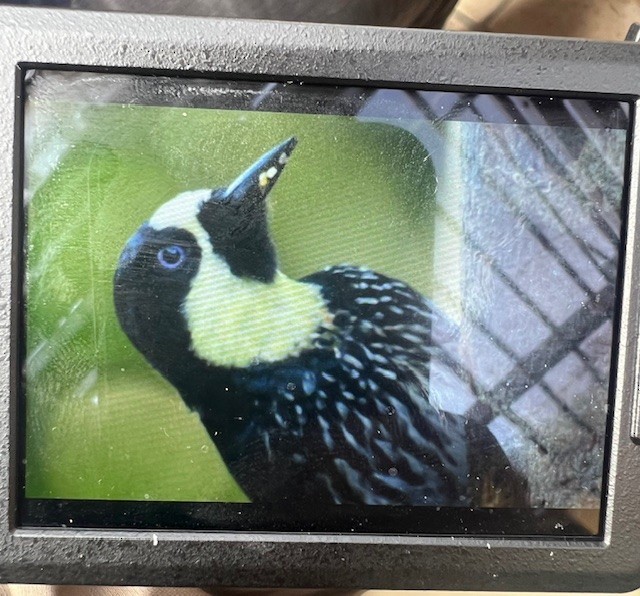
(180, 212)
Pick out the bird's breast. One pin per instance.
(238, 323)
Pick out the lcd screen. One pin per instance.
(256, 305)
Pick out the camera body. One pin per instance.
(54, 57)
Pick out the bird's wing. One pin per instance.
(379, 319)
(380, 390)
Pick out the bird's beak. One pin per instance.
(259, 178)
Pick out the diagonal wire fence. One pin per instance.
(539, 245)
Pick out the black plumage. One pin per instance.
(344, 418)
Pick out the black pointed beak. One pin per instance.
(236, 218)
(258, 179)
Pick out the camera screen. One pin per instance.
(275, 305)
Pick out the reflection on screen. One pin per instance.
(322, 307)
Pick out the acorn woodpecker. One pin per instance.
(316, 388)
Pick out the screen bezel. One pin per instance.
(426, 59)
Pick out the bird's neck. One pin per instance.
(237, 322)
(212, 392)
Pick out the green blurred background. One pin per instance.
(101, 423)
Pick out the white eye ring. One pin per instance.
(171, 256)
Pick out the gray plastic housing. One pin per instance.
(426, 59)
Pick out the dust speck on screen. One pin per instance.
(299, 307)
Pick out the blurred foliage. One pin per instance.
(101, 423)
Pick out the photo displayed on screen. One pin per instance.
(359, 309)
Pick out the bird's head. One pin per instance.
(203, 263)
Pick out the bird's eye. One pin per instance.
(171, 257)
